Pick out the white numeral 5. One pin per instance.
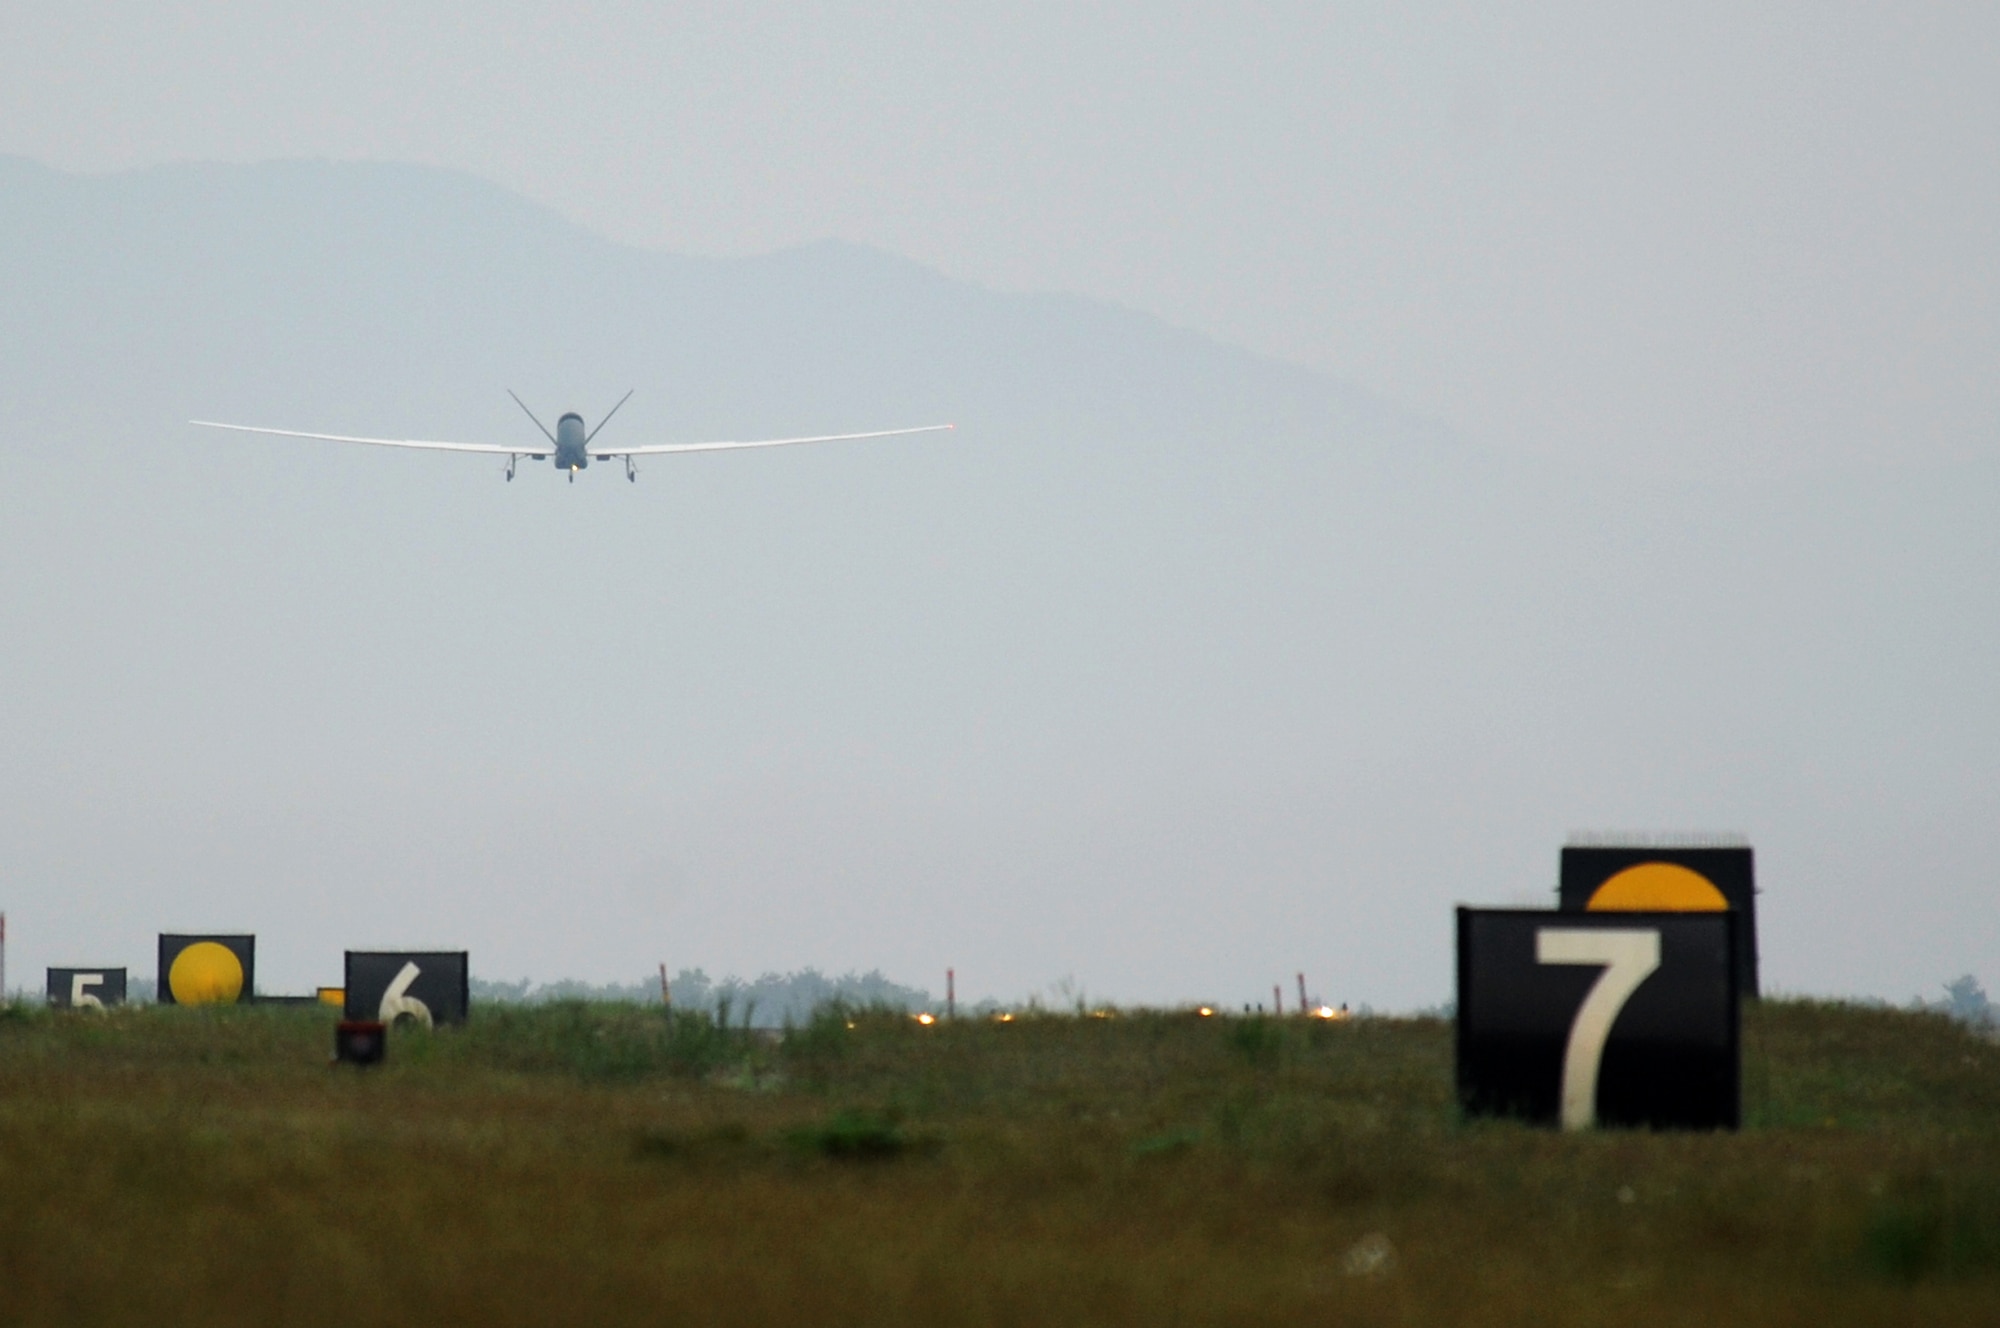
(79, 993)
(1629, 958)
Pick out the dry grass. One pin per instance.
(597, 1165)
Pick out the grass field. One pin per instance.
(607, 1165)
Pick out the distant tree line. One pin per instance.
(776, 998)
(1966, 1001)
(768, 1002)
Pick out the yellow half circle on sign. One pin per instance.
(206, 973)
(1658, 887)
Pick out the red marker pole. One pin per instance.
(950, 993)
(1277, 999)
(666, 993)
(1303, 1003)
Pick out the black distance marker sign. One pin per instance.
(1609, 878)
(207, 970)
(1599, 1018)
(86, 988)
(430, 986)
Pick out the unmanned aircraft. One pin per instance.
(570, 444)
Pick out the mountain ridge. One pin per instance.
(343, 212)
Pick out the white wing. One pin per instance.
(660, 449)
(538, 452)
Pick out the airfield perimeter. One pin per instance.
(610, 1165)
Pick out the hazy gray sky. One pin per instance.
(1677, 237)
(1178, 670)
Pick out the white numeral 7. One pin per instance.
(1629, 958)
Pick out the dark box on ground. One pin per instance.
(360, 1042)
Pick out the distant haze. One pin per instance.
(1671, 239)
(1174, 672)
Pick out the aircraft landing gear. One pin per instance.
(510, 468)
(631, 471)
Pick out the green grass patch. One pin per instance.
(854, 1136)
(614, 1164)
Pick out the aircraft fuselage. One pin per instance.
(571, 453)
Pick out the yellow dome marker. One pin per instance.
(206, 974)
(1658, 887)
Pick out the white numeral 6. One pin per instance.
(395, 1003)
